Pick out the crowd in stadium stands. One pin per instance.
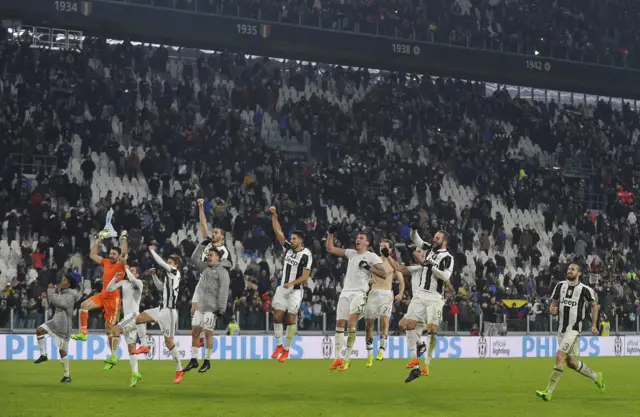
(596, 32)
(187, 137)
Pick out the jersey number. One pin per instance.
(208, 322)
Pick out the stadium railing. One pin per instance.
(619, 325)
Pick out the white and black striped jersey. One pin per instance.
(222, 249)
(170, 285)
(432, 280)
(573, 301)
(294, 263)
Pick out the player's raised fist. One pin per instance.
(200, 202)
(51, 286)
(385, 252)
(272, 209)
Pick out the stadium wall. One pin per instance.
(25, 347)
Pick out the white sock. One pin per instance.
(351, 341)
(207, 353)
(42, 344)
(133, 360)
(420, 328)
(411, 342)
(431, 347)
(194, 352)
(65, 365)
(427, 345)
(176, 358)
(339, 342)
(278, 330)
(583, 369)
(291, 333)
(383, 342)
(142, 333)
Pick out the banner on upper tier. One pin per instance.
(25, 347)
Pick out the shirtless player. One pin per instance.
(380, 304)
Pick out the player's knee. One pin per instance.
(40, 331)
(291, 320)
(62, 353)
(432, 329)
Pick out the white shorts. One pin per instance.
(206, 320)
(350, 302)
(379, 304)
(287, 300)
(569, 342)
(129, 329)
(425, 310)
(167, 319)
(60, 342)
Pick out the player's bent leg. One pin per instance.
(278, 330)
(93, 303)
(292, 329)
(351, 338)
(171, 346)
(42, 344)
(582, 368)
(429, 347)
(368, 334)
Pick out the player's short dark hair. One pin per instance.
(117, 249)
(73, 284)
(369, 237)
(175, 259)
(299, 233)
(216, 251)
(579, 265)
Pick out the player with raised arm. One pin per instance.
(428, 299)
(63, 299)
(209, 300)
(107, 301)
(167, 314)
(216, 240)
(362, 264)
(570, 300)
(131, 287)
(296, 270)
(380, 303)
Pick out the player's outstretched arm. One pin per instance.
(156, 281)
(159, 260)
(329, 244)
(277, 229)
(415, 237)
(397, 267)
(203, 219)
(95, 248)
(196, 256)
(135, 281)
(113, 285)
(124, 248)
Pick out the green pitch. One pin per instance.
(457, 387)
